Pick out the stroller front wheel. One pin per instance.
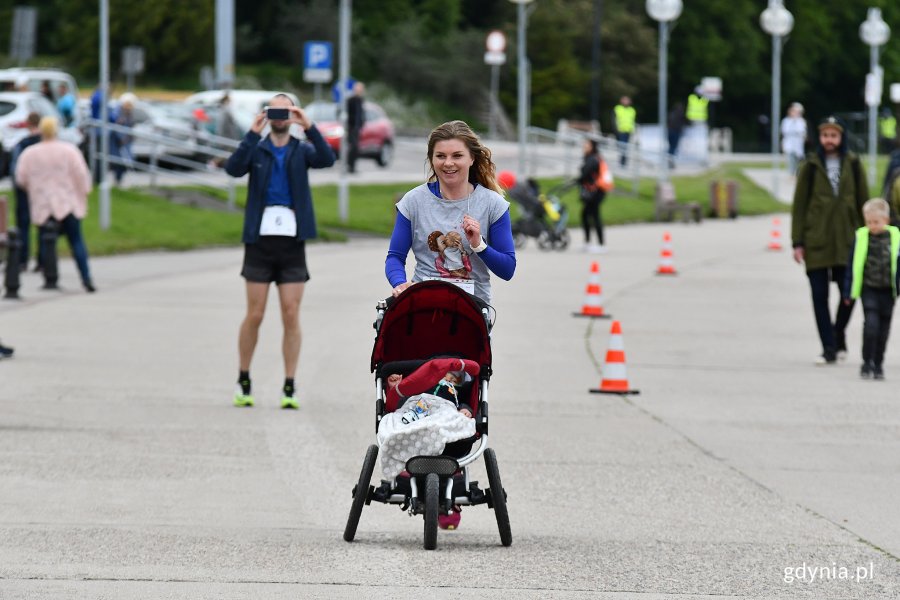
(361, 492)
(497, 497)
(432, 489)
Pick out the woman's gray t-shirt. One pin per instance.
(432, 217)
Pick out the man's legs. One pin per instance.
(842, 318)
(257, 293)
(623, 147)
(290, 295)
(23, 224)
(818, 284)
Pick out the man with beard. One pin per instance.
(827, 211)
(278, 219)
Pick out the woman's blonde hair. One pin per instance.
(48, 126)
(483, 171)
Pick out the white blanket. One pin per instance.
(398, 441)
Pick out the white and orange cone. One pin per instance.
(775, 235)
(666, 264)
(615, 377)
(593, 296)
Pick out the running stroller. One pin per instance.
(543, 216)
(428, 320)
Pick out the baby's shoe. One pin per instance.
(450, 521)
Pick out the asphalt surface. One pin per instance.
(126, 473)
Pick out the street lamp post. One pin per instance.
(523, 83)
(874, 33)
(777, 21)
(663, 11)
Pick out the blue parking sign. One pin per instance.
(317, 57)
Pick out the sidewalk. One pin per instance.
(782, 180)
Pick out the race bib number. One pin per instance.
(467, 285)
(278, 220)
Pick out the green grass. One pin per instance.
(144, 221)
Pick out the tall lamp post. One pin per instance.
(663, 11)
(777, 21)
(523, 83)
(875, 33)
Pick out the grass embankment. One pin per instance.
(144, 221)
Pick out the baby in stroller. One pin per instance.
(442, 378)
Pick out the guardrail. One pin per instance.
(207, 147)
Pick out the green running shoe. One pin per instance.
(289, 402)
(242, 399)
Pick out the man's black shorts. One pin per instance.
(275, 258)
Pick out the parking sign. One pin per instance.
(317, 57)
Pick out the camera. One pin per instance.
(277, 114)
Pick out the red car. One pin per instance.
(376, 140)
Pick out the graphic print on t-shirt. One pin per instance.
(452, 259)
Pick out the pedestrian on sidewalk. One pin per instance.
(595, 181)
(57, 180)
(793, 136)
(624, 121)
(827, 210)
(872, 276)
(278, 219)
(356, 118)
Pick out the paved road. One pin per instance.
(125, 473)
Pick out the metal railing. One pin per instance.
(207, 147)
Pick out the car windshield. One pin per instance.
(6, 108)
(322, 111)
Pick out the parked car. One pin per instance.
(14, 109)
(164, 119)
(12, 79)
(376, 140)
(245, 104)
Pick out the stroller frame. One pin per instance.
(434, 484)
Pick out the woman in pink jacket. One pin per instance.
(58, 181)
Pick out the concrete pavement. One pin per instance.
(125, 472)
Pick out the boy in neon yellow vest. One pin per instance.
(872, 276)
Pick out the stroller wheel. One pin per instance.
(563, 241)
(544, 241)
(520, 239)
(432, 485)
(361, 492)
(497, 497)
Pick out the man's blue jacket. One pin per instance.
(255, 156)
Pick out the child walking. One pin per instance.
(873, 277)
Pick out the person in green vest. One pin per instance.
(887, 131)
(697, 108)
(624, 120)
(872, 277)
(827, 209)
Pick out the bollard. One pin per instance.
(11, 279)
(49, 233)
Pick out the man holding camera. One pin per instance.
(278, 219)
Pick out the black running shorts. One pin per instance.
(275, 258)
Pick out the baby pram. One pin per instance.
(542, 217)
(431, 319)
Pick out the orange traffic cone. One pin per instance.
(666, 266)
(593, 296)
(775, 236)
(615, 379)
